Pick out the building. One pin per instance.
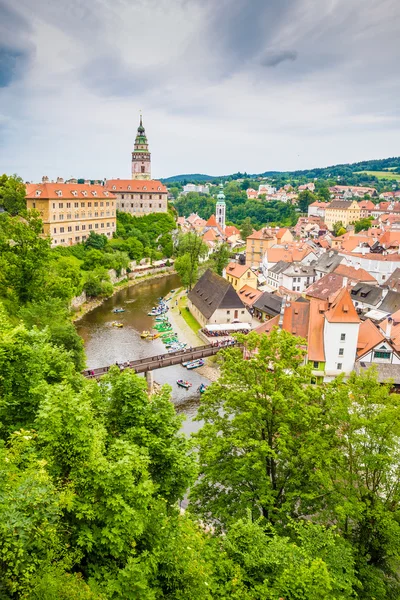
(317, 209)
(220, 209)
(330, 328)
(259, 241)
(139, 197)
(70, 211)
(267, 306)
(141, 157)
(249, 295)
(240, 275)
(380, 266)
(200, 189)
(214, 301)
(344, 211)
(297, 277)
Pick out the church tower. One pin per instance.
(141, 157)
(221, 208)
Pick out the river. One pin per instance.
(106, 345)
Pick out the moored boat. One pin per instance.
(116, 324)
(118, 310)
(194, 364)
(183, 383)
(202, 388)
(145, 334)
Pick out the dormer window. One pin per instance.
(129, 187)
(106, 193)
(114, 187)
(59, 193)
(159, 189)
(145, 188)
(84, 193)
(94, 193)
(74, 193)
(37, 193)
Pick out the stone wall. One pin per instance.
(78, 301)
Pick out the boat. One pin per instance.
(118, 310)
(145, 334)
(116, 324)
(202, 388)
(153, 336)
(184, 384)
(195, 364)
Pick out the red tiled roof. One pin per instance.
(316, 349)
(249, 295)
(135, 185)
(296, 318)
(342, 309)
(236, 270)
(82, 190)
(368, 337)
(356, 274)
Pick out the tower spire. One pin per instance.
(141, 157)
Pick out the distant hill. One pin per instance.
(391, 165)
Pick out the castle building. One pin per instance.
(141, 157)
(70, 211)
(221, 208)
(140, 195)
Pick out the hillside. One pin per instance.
(368, 170)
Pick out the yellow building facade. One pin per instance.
(70, 211)
(240, 275)
(341, 210)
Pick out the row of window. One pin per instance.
(108, 213)
(83, 227)
(76, 204)
(141, 205)
(77, 239)
(141, 196)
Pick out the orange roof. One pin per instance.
(316, 350)
(236, 270)
(342, 309)
(281, 232)
(249, 295)
(263, 234)
(71, 191)
(296, 318)
(356, 274)
(368, 336)
(379, 257)
(212, 222)
(268, 325)
(231, 230)
(135, 185)
(210, 236)
(291, 254)
(390, 238)
(395, 332)
(325, 288)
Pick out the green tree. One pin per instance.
(12, 194)
(261, 439)
(219, 259)
(190, 249)
(96, 240)
(304, 199)
(24, 257)
(363, 224)
(246, 229)
(338, 229)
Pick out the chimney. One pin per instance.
(389, 328)
(345, 281)
(60, 180)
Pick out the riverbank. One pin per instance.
(188, 336)
(90, 305)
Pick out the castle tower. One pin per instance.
(221, 208)
(141, 157)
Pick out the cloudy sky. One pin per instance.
(224, 85)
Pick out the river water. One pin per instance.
(106, 345)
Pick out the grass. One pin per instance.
(187, 315)
(381, 174)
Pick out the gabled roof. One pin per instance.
(280, 267)
(367, 293)
(212, 222)
(249, 295)
(212, 292)
(342, 309)
(393, 283)
(325, 288)
(268, 325)
(340, 204)
(328, 261)
(315, 337)
(268, 303)
(210, 236)
(231, 230)
(135, 185)
(355, 274)
(299, 270)
(391, 302)
(237, 270)
(296, 318)
(368, 337)
(69, 191)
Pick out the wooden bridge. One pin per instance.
(144, 365)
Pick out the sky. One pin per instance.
(223, 85)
